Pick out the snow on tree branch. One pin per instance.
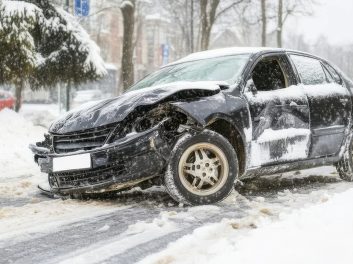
(127, 3)
(52, 42)
(88, 46)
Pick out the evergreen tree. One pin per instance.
(59, 50)
(17, 48)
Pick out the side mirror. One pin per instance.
(250, 86)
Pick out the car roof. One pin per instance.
(231, 51)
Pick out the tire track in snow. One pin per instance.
(81, 236)
(23, 225)
(73, 236)
(156, 233)
(137, 252)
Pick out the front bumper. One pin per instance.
(123, 163)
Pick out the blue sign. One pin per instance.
(81, 8)
(165, 53)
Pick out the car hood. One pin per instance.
(105, 112)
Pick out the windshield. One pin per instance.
(226, 69)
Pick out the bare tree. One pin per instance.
(280, 23)
(184, 14)
(291, 8)
(127, 67)
(264, 23)
(209, 15)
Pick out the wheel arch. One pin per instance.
(229, 130)
(222, 113)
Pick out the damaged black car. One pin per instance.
(202, 123)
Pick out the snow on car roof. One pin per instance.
(223, 52)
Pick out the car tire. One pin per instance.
(345, 165)
(203, 179)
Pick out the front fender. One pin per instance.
(206, 110)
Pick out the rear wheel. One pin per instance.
(202, 169)
(345, 165)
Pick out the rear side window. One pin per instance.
(310, 70)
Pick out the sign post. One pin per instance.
(165, 54)
(82, 8)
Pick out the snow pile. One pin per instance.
(320, 233)
(40, 114)
(16, 160)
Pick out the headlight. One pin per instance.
(147, 120)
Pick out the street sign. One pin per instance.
(165, 53)
(81, 8)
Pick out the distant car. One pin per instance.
(84, 96)
(6, 100)
(201, 123)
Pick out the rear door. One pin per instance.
(279, 111)
(329, 101)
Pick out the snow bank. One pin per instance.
(16, 160)
(40, 114)
(320, 233)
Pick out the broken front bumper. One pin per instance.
(124, 163)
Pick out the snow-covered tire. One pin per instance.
(216, 168)
(345, 165)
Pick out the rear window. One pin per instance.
(310, 70)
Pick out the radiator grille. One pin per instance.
(81, 140)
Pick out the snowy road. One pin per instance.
(148, 226)
(131, 226)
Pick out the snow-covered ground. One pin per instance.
(301, 217)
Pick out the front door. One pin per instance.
(279, 111)
(329, 101)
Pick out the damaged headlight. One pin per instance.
(144, 121)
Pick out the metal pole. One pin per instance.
(59, 97)
(68, 93)
(68, 86)
(192, 25)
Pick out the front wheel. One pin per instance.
(202, 169)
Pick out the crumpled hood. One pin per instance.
(100, 113)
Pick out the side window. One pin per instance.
(336, 77)
(268, 74)
(328, 75)
(309, 69)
